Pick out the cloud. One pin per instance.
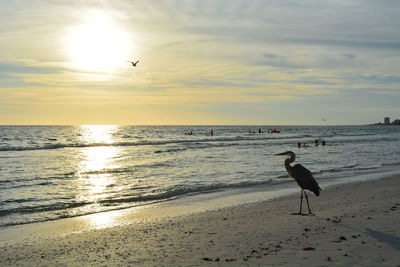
(349, 56)
(13, 68)
(278, 61)
(12, 75)
(379, 79)
(348, 42)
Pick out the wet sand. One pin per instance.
(355, 224)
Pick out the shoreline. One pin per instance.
(180, 206)
(355, 223)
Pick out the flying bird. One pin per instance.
(303, 177)
(134, 63)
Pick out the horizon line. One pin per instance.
(107, 124)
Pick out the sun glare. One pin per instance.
(98, 44)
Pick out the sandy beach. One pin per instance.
(356, 224)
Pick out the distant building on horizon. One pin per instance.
(386, 120)
(396, 122)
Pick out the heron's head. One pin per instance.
(287, 153)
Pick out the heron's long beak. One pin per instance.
(281, 154)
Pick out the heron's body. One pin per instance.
(302, 175)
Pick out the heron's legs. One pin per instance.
(301, 203)
(301, 200)
(308, 205)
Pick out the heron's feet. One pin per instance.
(303, 214)
(299, 213)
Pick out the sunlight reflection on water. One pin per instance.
(94, 179)
(102, 219)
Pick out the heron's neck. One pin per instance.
(288, 167)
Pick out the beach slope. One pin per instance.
(355, 224)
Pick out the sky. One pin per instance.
(264, 62)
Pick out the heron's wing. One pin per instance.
(305, 179)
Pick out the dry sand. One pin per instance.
(356, 224)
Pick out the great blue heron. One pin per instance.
(303, 177)
(134, 63)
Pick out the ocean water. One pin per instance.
(54, 172)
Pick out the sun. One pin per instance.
(98, 44)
